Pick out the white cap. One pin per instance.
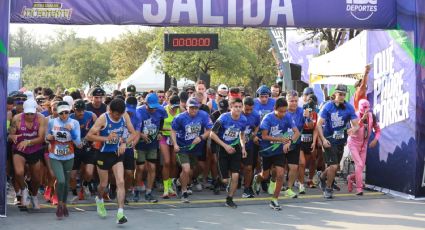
(70, 100)
(222, 87)
(30, 106)
(29, 94)
(62, 108)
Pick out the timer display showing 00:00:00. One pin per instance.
(191, 42)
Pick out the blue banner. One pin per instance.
(365, 14)
(4, 38)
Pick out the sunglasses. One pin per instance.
(189, 92)
(20, 99)
(30, 114)
(220, 95)
(64, 112)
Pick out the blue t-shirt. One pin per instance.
(230, 128)
(150, 125)
(299, 120)
(45, 113)
(336, 120)
(276, 128)
(85, 123)
(135, 122)
(117, 127)
(254, 121)
(188, 128)
(264, 109)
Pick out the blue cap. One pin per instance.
(263, 90)
(130, 108)
(308, 91)
(193, 102)
(152, 101)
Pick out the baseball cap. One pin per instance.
(308, 91)
(210, 91)
(152, 100)
(193, 102)
(131, 89)
(223, 105)
(174, 101)
(263, 90)
(70, 100)
(341, 88)
(29, 94)
(223, 87)
(30, 106)
(79, 105)
(131, 104)
(63, 106)
(98, 92)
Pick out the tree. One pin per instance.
(129, 52)
(25, 45)
(45, 76)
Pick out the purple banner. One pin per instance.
(272, 13)
(392, 90)
(4, 37)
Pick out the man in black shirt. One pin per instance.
(96, 105)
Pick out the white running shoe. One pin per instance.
(25, 197)
(35, 203)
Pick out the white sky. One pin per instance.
(100, 32)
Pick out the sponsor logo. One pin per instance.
(46, 10)
(362, 9)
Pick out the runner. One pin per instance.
(166, 147)
(252, 139)
(229, 133)
(301, 117)
(264, 104)
(26, 133)
(358, 144)
(62, 133)
(275, 89)
(96, 105)
(109, 129)
(152, 117)
(335, 116)
(189, 131)
(273, 128)
(85, 156)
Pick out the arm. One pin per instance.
(315, 135)
(76, 133)
(13, 128)
(265, 136)
(354, 126)
(41, 131)
(319, 128)
(174, 140)
(93, 134)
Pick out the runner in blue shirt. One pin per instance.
(335, 116)
(109, 129)
(151, 116)
(189, 132)
(264, 103)
(273, 129)
(251, 146)
(299, 116)
(229, 133)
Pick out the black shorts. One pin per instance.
(105, 161)
(276, 160)
(229, 162)
(203, 154)
(32, 158)
(333, 155)
(251, 157)
(293, 156)
(306, 147)
(129, 161)
(83, 156)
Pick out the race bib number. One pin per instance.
(338, 134)
(62, 150)
(306, 137)
(113, 141)
(230, 134)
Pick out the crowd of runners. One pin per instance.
(133, 147)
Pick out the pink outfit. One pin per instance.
(358, 143)
(27, 134)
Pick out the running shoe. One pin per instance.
(136, 196)
(100, 207)
(335, 186)
(230, 203)
(55, 200)
(328, 193)
(35, 203)
(25, 197)
(322, 183)
(185, 198)
(171, 192)
(74, 199)
(359, 194)
(189, 190)
(65, 210)
(247, 193)
(291, 193)
(81, 194)
(165, 196)
(197, 185)
(301, 189)
(150, 198)
(59, 212)
(121, 219)
(275, 205)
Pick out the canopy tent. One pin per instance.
(342, 66)
(146, 77)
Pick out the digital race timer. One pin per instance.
(190, 42)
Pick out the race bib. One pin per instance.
(62, 150)
(338, 134)
(113, 141)
(306, 137)
(230, 134)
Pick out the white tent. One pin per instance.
(344, 65)
(146, 77)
